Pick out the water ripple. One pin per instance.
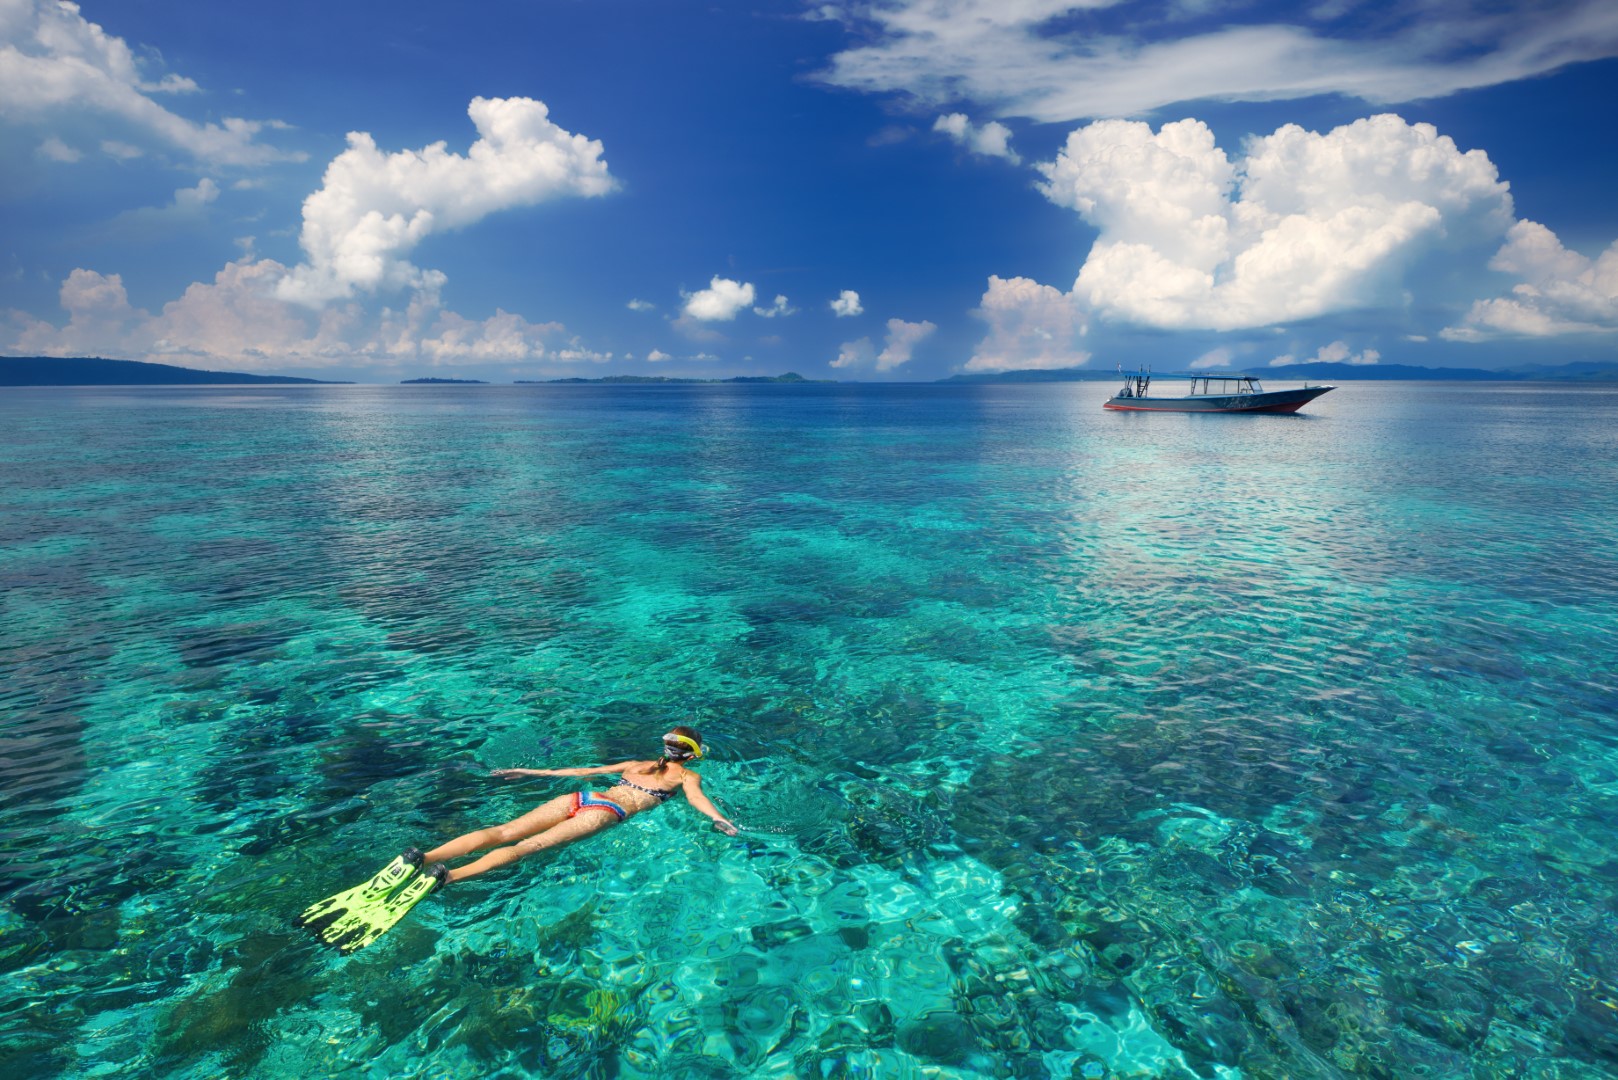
(1066, 743)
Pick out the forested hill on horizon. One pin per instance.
(95, 371)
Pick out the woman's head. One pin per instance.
(682, 744)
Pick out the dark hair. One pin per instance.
(689, 732)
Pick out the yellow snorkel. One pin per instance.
(696, 747)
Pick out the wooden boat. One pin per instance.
(1219, 393)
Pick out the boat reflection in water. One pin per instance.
(1220, 393)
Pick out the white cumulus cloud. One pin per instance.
(1030, 326)
(54, 63)
(721, 301)
(1305, 225)
(657, 356)
(642, 305)
(237, 321)
(100, 318)
(990, 140)
(858, 353)
(373, 208)
(233, 319)
(1021, 58)
(898, 346)
(455, 339)
(847, 304)
(901, 341)
(1558, 291)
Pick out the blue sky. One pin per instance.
(899, 189)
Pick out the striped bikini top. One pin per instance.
(653, 792)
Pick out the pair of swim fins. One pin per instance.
(354, 918)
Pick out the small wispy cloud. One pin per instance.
(991, 140)
(780, 307)
(1338, 352)
(54, 149)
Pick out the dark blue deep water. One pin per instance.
(1065, 742)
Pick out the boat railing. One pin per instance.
(1137, 384)
(1203, 385)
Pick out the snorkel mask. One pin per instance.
(681, 748)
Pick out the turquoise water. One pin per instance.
(1064, 742)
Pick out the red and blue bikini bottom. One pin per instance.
(588, 800)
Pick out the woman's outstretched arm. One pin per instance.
(692, 786)
(594, 770)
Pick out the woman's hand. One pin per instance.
(513, 774)
(726, 826)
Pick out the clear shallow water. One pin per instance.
(1065, 742)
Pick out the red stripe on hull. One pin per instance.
(1289, 407)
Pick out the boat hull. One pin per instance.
(1272, 401)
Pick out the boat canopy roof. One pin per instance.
(1202, 375)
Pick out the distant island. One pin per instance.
(789, 377)
(1583, 371)
(94, 371)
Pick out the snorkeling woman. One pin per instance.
(358, 916)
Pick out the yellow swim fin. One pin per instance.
(333, 919)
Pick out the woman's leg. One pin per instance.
(545, 816)
(571, 829)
